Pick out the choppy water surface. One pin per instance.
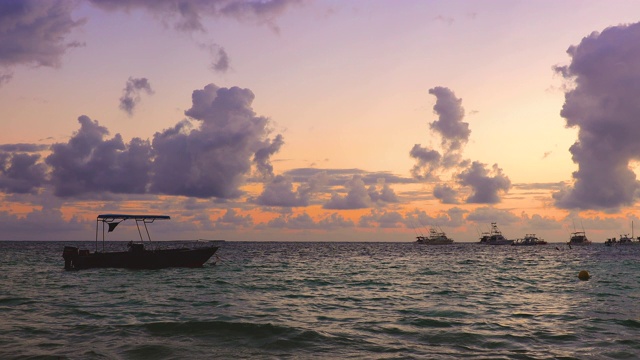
(327, 300)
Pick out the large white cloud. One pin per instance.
(215, 158)
(603, 104)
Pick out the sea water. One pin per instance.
(329, 300)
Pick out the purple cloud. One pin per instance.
(33, 32)
(131, 93)
(21, 172)
(485, 184)
(454, 132)
(359, 196)
(187, 14)
(428, 162)
(603, 104)
(279, 192)
(305, 222)
(262, 156)
(382, 219)
(231, 220)
(221, 62)
(88, 163)
(445, 193)
(23, 147)
(215, 158)
(385, 195)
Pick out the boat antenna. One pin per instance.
(415, 231)
(421, 224)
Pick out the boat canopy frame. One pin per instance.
(110, 221)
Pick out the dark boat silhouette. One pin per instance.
(136, 257)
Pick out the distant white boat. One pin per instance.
(494, 237)
(529, 240)
(435, 238)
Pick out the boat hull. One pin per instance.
(582, 243)
(75, 259)
(499, 242)
(435, 242)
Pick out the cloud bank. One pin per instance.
(211, 155)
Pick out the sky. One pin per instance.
(294, 120)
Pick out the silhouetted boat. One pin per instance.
(529, 240)
(435, 238)
(494, 237)
(137, 257)
(623, 240)
(579, 238)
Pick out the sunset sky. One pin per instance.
(320, 120)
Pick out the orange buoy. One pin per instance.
(584, 275)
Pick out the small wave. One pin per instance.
(152, 351)
(432, 323)
(266, 336)
(16, 301)
(204, 328)
(630, 323)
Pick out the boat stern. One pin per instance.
(69, 254)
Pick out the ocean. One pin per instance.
(327, 300)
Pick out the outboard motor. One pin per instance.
(69, 253)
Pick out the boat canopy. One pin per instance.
(113, 220)
(116, 217)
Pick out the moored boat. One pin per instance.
(435, 238)
(529, 240)
(494, 237)
(136, 257)
(579, 238)
(623, 240)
